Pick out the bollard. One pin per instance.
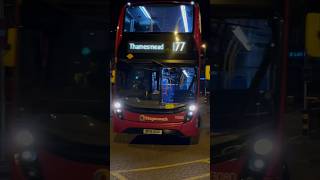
(305, 122)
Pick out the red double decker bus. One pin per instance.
(157, 69)
(248, 91)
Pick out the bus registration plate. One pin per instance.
(152, 131)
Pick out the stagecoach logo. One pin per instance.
(148, 118)
(146, 47)
(101, 174)
(179, 117)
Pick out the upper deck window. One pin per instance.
(159, 18)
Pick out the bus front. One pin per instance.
(157, 69)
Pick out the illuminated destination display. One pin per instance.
(146, 47)
(178, 46)
(149, 47)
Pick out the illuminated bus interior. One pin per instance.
(158, 84)
(159, 18)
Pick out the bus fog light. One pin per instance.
(28, 156)
(119, 114)
(189, 116)
(259, 164)
(263, 146)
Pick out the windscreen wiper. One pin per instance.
(191, 84)
(159, 63)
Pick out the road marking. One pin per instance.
(162, 166)
(198, 177)
(117, 173)
(118, 176)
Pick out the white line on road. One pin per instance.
(162, 166)
(117, 174)
(198, 177)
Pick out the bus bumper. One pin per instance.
(187, 129)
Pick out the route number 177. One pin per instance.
(178, 46)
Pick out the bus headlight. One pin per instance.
(118, 109)
(117, 105)
(24, 138)
(192, 108)
(263, 146)
(191, 111)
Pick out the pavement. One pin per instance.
(4, 164)
(4, 170)
(161, 157)
(303, 157)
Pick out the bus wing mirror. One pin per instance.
(113, 76)
(312, 35)
(207, 72)
(10, 56)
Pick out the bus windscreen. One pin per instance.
(164, 85)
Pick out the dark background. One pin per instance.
(53, 33)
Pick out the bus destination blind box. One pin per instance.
(138, 47)
(143, 47)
